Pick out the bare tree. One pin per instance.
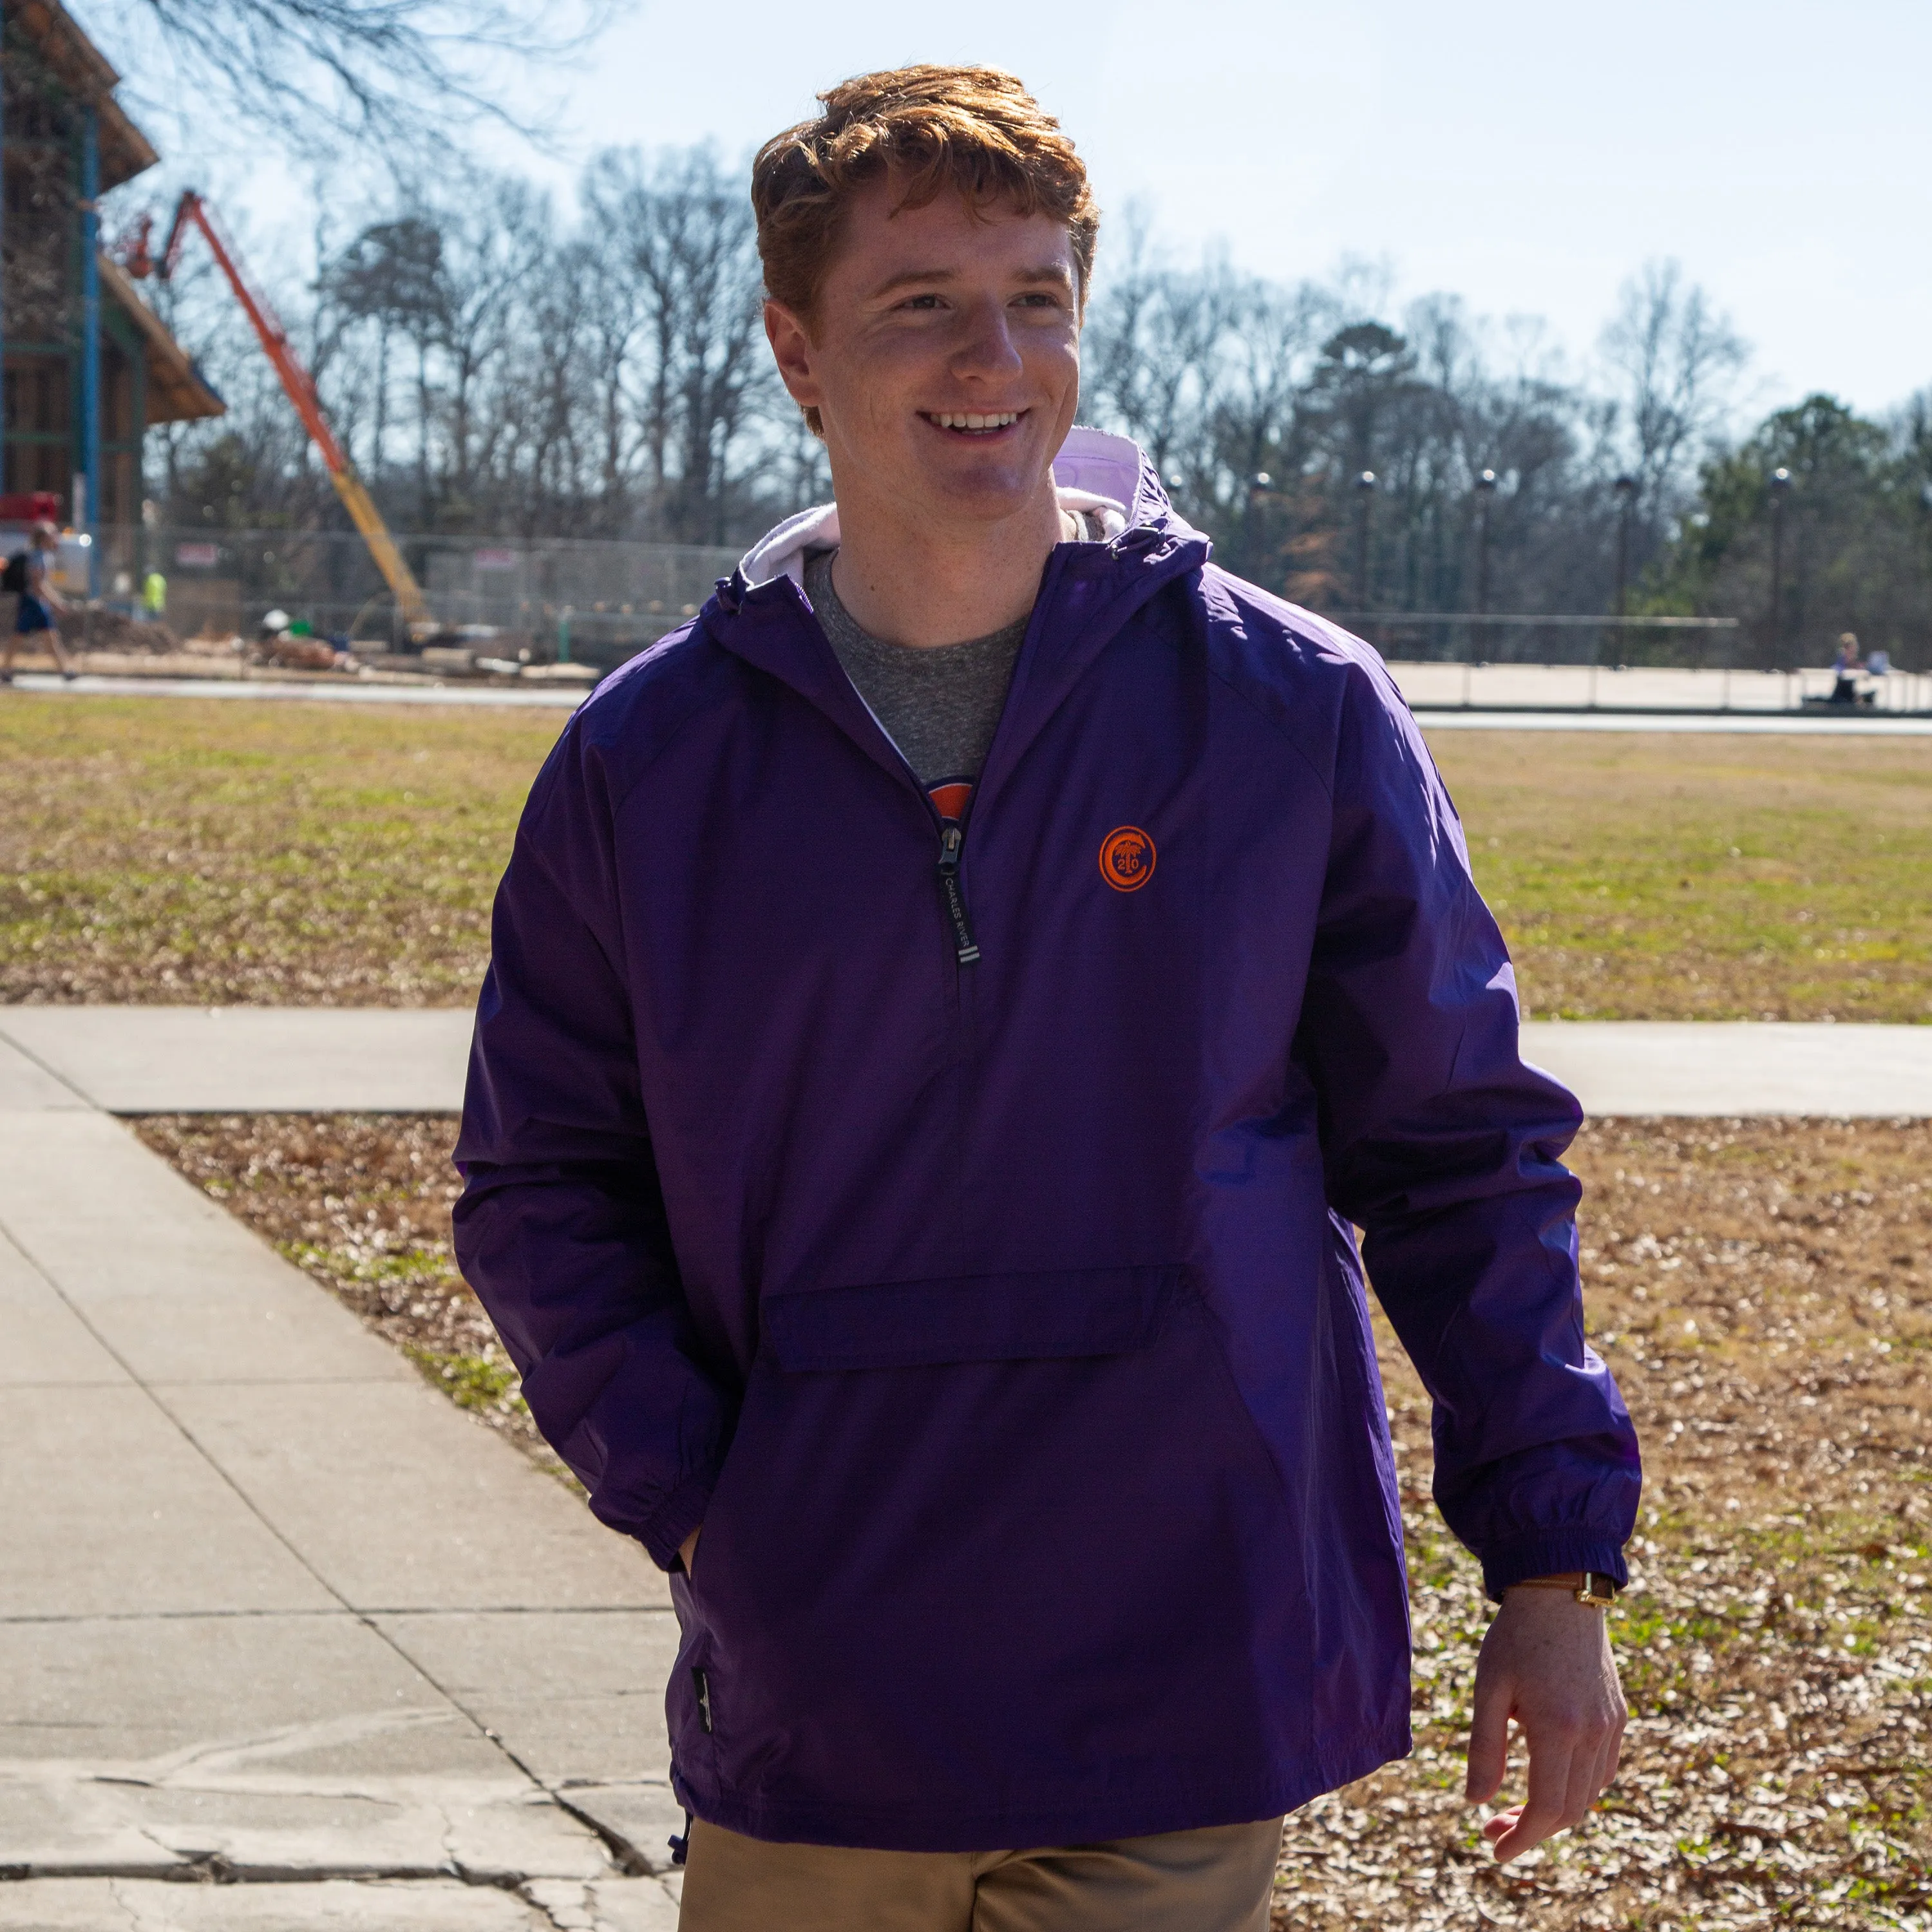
(617, 316)
(1152, 339)
(701, 368)
(499, 256)
(397, 77)
(1676, 362)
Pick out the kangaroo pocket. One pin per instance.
(982, 1542)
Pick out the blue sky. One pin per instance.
(1527, 157)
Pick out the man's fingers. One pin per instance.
(1612, 1757)
(1586, 1779)
(1569, 1771)
(1552, 1758)
(1488, 1741)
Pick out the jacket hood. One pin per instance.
(1107, 476)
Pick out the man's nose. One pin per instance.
(987, 346)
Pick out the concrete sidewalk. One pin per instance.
(242, 1060)
(134, 1060)
(273, 1612)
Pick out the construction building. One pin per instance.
(88, 367)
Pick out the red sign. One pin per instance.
(495, 560)
(197, 555)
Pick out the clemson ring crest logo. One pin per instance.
(1127, 859)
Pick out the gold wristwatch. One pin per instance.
(1587, 1586)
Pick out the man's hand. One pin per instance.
(687, 1548)
(1547, 1663)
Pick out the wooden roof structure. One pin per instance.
(177, 392)
(86, 72)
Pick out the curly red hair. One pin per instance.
(973, 129)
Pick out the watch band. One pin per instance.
(1587, 1586)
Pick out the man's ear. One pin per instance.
(793, 351)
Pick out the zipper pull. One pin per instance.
(952, 839)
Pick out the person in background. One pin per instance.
(154, 596)
(1846, 667)
(39, 601)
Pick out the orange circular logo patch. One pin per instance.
(1127, 859)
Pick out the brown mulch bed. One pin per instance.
(1764, 1290)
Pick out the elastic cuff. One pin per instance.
(680, 1513)
(1553, 1552)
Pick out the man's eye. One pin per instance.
(920, 301)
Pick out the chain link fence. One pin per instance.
(552, 599)
(558, 599)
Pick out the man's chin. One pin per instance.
(986, 487)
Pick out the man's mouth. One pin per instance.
(972, 422)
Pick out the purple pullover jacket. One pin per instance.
(962, 1232)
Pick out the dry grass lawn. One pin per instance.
(1642, 876)
(166, 851)
(1764, 1290)
(177, 850)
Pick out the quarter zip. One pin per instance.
(952, 843)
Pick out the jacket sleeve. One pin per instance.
(561, 1228)
(1445, 1150)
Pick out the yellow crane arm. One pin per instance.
(366, 518)
(300, 386)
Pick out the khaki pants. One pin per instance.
(1217, 1880)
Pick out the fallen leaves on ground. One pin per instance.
(1763, 1290)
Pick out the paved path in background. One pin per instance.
(156, 1060)
(1567, 687)
(272, 1610)
(1536, 703)
(1733, 724)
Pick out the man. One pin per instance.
(35, 615)
(950, 1002)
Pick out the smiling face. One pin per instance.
(943, 356)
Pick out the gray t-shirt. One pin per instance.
(941, 704)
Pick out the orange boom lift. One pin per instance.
(301, 388)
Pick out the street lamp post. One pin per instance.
(1626, 489)
(1485, 490)
(1260, 491)
(1780, 487)
(1365, 492)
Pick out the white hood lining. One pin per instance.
(1094, 474)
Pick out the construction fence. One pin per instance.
(597, 603)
